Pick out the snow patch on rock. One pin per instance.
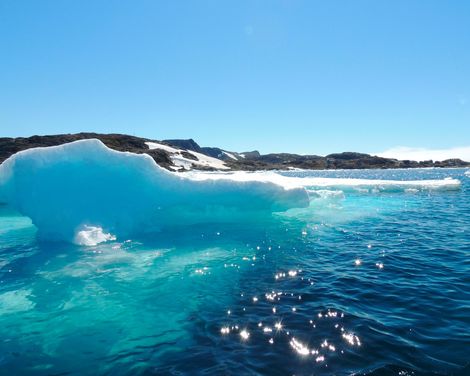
(182, 162)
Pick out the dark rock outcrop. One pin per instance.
(250, 154)
(214, 153)
(189, 144)
(120, 142)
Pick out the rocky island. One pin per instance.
(181, 155)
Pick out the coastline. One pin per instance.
(187, 155)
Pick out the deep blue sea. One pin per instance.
(363, 281)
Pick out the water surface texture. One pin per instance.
(363, 281)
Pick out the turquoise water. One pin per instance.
(361, 281)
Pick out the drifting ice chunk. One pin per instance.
(92, 235)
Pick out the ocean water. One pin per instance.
(363, 281)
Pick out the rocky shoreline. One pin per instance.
(171, 154)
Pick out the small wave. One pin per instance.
(392, 370)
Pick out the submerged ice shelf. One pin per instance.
(86, 193)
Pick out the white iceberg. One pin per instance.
(86, 192)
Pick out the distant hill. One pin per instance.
(180, 154)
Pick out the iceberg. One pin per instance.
(292, 182)
(85, 192)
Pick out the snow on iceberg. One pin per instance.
(85, 192)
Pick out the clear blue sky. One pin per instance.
(297, 76)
